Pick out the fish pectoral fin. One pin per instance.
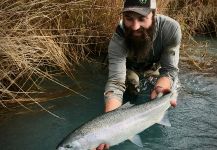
(165, 120)
(136, 140)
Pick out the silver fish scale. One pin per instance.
(108, 119)
(117, 126)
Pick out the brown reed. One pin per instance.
(41, 39)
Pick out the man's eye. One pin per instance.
(141, 19)
(129, 18)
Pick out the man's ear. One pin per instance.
(156, 10)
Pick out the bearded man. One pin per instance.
(145, 46)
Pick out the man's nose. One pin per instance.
(135, 25)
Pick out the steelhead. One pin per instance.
(119, 125)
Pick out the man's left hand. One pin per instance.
(158, 89)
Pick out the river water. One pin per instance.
(194, 120)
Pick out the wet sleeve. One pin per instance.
(117, 69)
(170, 56)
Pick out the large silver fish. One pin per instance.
(119, 125)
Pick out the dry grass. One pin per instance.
(41, 39)
(196, 56)
(195, 17)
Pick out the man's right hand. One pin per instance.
(112, 104)
(103, 147)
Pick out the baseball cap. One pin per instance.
(142, 7)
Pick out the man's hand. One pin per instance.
(163, 86)
(103, 147)
(158, 89)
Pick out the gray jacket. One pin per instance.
(166, 44)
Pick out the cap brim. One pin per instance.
(141, 11)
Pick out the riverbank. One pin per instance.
(200, 55)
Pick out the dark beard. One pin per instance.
(139, 46)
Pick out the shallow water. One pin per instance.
(194, 120)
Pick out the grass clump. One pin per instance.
(43, 39)
(196, 17)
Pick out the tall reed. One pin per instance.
(195, 16)
(40, 39)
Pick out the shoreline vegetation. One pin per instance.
(41, 40)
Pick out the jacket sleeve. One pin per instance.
(117, 69)
(170, 56)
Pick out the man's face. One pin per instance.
(138, 32)
(135, 22)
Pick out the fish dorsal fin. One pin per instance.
(136, 140)
(126, 105)
(165, 120)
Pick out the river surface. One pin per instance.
(194, 120)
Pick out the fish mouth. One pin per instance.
(61, 148)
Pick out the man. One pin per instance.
(144, 43)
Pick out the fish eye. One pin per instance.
(68, 146)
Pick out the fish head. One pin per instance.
(75, 145)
